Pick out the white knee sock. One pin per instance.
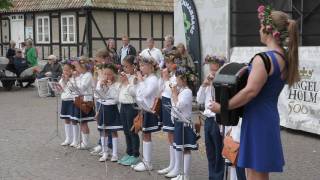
(178, 161)
(104, 144)
(75, 129)
(68, 132)
(147, 150)
(114, 146)
(85, 139)
(172, 157)
(187, 164)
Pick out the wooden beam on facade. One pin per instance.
(98, 29)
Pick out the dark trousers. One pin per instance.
(214, 145)
(241, 173)
(127, 115)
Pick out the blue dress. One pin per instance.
(260, 141)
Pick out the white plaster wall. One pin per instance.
(213, 16)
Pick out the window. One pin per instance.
(68, 29)
(43, 26)
(245, 26)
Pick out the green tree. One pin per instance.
(5, 4)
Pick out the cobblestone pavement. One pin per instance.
(30, 149)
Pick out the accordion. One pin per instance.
(228, 81)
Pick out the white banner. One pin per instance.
(299, 106)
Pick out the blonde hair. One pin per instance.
(180, 45)
(282, 22)
(83, 62)
(170, 38)
(102, 53)
(29, 42)
(53, 57)
(12, 44)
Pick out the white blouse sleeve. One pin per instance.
(113, 91)
(184, 99)
(161, 84)
(62, 83)
(201, 95)
(86, 82)
(149, 87)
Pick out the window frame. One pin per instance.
(43, 41)
(68, 29)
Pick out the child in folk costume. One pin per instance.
(168, 79)
(146, 93)
(212, 131)
(101, 57)
(182, 102)
(82, 83)
(128, 112)
(213, 138)
(108, 113)
(67, 104)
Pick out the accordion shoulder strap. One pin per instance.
(265, 59)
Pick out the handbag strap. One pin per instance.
(229, 132)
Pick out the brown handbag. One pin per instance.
(197, 127)
(137, 123)
(84, 106)
(230, 149)
(156, 106)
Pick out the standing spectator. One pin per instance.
(31, 54)
(23, 49)
(52, 69)
(168, 44)
(126, 49)
(111, 47)
(153, 52)
(186, 59)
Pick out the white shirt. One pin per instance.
(204, 96)
(124, 52)
(109, 95)
(165, 86)
(147, 90)
(84, 84)
(156, 54)
(184, 103)
(66, 95)
(127, 92)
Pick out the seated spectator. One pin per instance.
(20, 63)
(10, 55)
(52, 69)
(12, 50)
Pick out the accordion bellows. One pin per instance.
(228, 81)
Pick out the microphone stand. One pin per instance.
(101, 94)
(57, 89)
(179, 117)
(141, 106)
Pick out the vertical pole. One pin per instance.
(228, 35)
(89, 33)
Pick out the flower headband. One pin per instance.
(186, 72)
(215, 60)
(114, 67)
(264, 15)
